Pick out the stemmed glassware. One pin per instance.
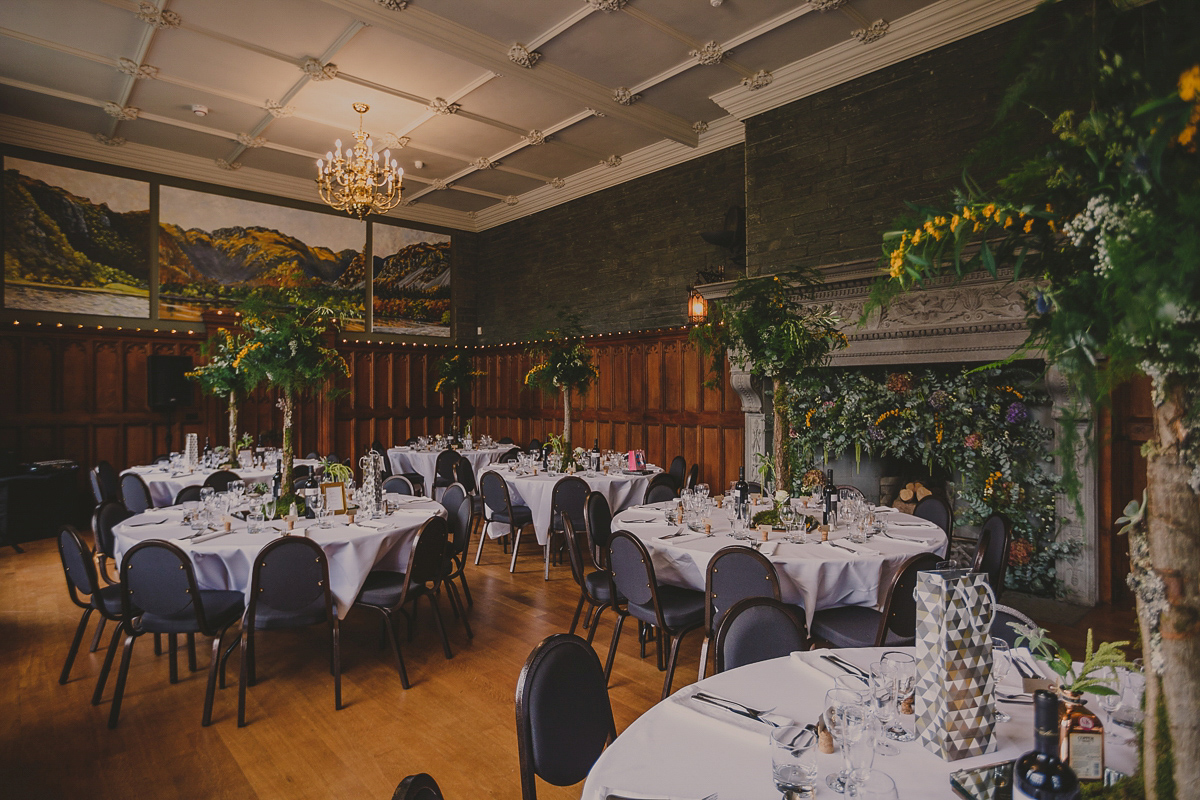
(844, 717)
(1001, 664)
(903, 669)
(871, 784)
(881, 698)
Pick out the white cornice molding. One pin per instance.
(722, 133)
(67, 142)
(931, 27)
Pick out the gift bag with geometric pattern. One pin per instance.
(954, 693)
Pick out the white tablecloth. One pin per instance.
(165, 486)
(680, 750)
(408, 459)
(621, 491)
(813, 575)
(353, 551)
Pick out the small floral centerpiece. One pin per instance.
(1087, 678)
(811, 481)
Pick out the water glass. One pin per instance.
(903, 669)
(881, 698)
(794, 760)
(1001, 664)
(871, 784)
(858, 738)
(254, 521)
(837, 701)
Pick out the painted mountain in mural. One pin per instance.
(254, 256)
(55, 238)
(423, 265)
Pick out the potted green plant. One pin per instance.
(562, 364)
(222, 375)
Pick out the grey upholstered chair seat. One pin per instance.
(271, 619)
(108, 598)
(521, 515)
(599, 586)
(383, 588)
(681, 608)
(221, 607)
(852, 626)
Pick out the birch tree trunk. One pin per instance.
(233, 426)
(567, 422)
(288, 447)
(783, 468)
(1173, 534)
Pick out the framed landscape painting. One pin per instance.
(214, 252)
(75, 242)
(411, 284)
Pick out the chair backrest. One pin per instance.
(464, 473)
(333, 457)
(575, 548)
(678, 471)
(398, 484)
(693, 477)
(753, 487)
(104, 518)
(452, 496)
(513, 454)
(444, 466)
(377, 447)
(534, 444)
(937, 511)
(597, 517)
(426, 562)
(494, 489)
(221, 479)
(991, 554)
(756, 629)
(735, 573)
(899, 605)
(660, 491)
(186, 494)
(1002, 623)
(568, 499)
(505, 440)
(291, 575)
(564, 717)
(157, 577)
(106, 484)
(134, 493)
(632, 570)
(313, 456)
(857, 492)
(77, 564)
(458, 515)
(301, 471)
(418, 787)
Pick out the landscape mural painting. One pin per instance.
(412, 281)
(215, 252)
(75, 241)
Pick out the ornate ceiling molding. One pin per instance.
(161, 19)
(759, 80)
(607, 6)
(438, 185)
(700, 127)
(441, 107)
(390, 141)
(709, 55)
(246, 140)
(594, 112)
(511, 200)
(556, 183)
(121, 112)
(483, 162)
(393, 5)
(625, 96)
(522, 56)
(111, 141)
(135, 70)
(535, 138)
(317, 71)
(227, 165)
(872, 33)
(826, 5)
(611, 161)
(278, 110)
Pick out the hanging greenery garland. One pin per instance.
(976, 424)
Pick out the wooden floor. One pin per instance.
(456, 722)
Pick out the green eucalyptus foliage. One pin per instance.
(561, 359)
(222, 375)
(285, 349)
(455, 372)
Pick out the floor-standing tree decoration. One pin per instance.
(1112, 210)
(771, 326)
(562, 364)
(455, 373)
(222, 377)
(285, 349)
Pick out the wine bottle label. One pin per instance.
(1087, 754)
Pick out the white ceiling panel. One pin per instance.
(505, 183)
(508, 22)
(457, 134)
(83, 24)
(391, 60)
(459, 201)
(42, 67)
(53, 111)
(265, 158)
(170, 137)
(297, 28)
(525, 108)
(436, 165)
(607, 136)
(176, 102)
(332, 102)
(212, 62)
(548, 159)
(614, 50)
(687, 94)
(806, 36)
(705, 22)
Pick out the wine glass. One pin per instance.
(837, 701)
(903, 669)
(1001, 664)
(268, 508)
(882, 700)
(871, 784)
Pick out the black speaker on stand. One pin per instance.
(167, 387)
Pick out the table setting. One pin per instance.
(166, 480)
(422, 457)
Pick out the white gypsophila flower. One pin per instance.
(1102, 223)
(293, 346)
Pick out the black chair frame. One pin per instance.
(714, 616)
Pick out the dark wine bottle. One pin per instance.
(741, 492)
(596, 455)
(831, 499)
(1040, 774)
(277, 480)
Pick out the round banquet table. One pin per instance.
(812, 575)
(165, 485)
(687, 750)
(620, 489)
(225, 561)
(424, 462)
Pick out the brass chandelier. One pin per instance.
(358, 181)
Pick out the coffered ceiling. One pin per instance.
(510, 106)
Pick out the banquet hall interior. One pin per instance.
(598, 398)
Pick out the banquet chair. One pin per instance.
(289, 588)
(135, 494)
(678, 472)
(597, 518)
(757, 629)
(498, 508)
(79, 568)
(693, 477)
(188, 494)
(387, 592)
(753, 487)
(104, 519)
(673, 611)
(660, 489)
(219, 481)
(505, 440)
(443, 470)
(159, 594)
(734, 573)
(313, 456)
(564, 716)
(106, 484)
(854, 490)
(458, 518)
(398, 484)
(512, 454)
(566, 500)
(416, 479)
(991, 554)
(410, 442)
(936, 510)
(1002, 623)
(595, 587)
(418, 787)
(534, 445)
(894, 626)
(301, 471)
(464, 474)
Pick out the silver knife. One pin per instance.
(733, 707)
(842, 547)
(844, 668)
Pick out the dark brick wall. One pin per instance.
(622, 258)
(827, 174)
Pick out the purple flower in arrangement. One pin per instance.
(973, 441)
(939, 400)
(1017, 413)
(875, 432)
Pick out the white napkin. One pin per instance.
(883, 509)
(209, 536)
(373, 524)
(684, 698)
(639, 521)
(811, 659)
(608, 793)
(903, 524)
(909, 539)
(857, 549)
(140, 521)
(768, 548)
(687, 537)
